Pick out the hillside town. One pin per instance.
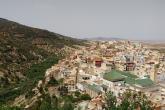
(115, 66)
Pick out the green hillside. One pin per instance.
(25, 54)
(21, 46)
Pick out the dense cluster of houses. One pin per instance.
(113, 66)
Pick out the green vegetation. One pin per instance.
(77, 93)
(34, 74)
(21, 46)
(5, 107)
(55, 103)
(85, 97)
(37, 71)
(26, 53)
(45, 103)
(53, 82)
(129, 101)
(111, 101)
(76, 97)
(67, 106)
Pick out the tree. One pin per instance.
(129, 101)
(6, 107)
(68, 105)
(77, 93)
(46, 103)
(61, 81)
(55, 103)
(85, 97)
(133, 100)
(110, 101)
(63, 90)
(53, 81)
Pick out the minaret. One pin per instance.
(77, 70)
(154, 74)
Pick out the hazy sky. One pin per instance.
(131, 19)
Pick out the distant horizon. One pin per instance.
(115, 37)
(134, 20)
(91, 37)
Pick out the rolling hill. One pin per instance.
(21, 46)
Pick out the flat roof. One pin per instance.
(95, 88)
(92, 87)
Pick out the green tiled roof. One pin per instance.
(116, 75)
(144, 82)
(113, 76)
(130, 81)
(128, 74)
